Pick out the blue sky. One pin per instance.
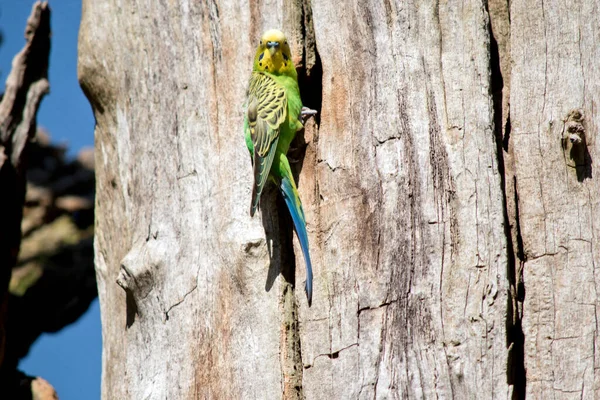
(65, 112)
(70, 359)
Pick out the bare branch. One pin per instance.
(26, 85)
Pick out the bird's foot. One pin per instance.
(306, 113)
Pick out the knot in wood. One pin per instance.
(135, 275)
(574, 139)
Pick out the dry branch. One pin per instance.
(26, 85)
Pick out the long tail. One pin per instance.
(292, 200)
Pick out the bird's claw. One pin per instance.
(306, 113)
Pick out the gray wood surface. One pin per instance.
(453, 245)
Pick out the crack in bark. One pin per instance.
(331, 167)
(310, 82)
(384, 304)
(516, 375)
(333, 355)
(180, 301)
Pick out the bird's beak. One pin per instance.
(272, 46)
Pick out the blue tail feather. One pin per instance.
(292, 201)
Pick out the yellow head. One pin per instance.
(273, 54)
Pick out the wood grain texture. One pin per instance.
(554, 72)
(412, 254)
(399, 178)
(200, 318)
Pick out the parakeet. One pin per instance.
(273, 116)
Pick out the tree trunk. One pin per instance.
(554, 96)
(425, 214)
(26, 85)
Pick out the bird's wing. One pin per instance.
(267, 105)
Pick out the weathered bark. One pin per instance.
(400, 183)
(412, 248)
(555, 71)
(430, 179)
(500, 60)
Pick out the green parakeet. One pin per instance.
(273, 116)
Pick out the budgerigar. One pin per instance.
(274, 114)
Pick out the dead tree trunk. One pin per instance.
(554, 125)
(26, 85)
(429, 187)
